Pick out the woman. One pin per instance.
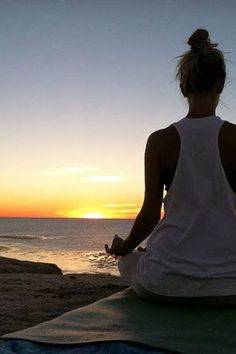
(191, 252)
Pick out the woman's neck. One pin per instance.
(200, 113)
(202, 105)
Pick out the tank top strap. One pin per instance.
(199, 141)
(199, 133)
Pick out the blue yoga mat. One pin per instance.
(26, 347)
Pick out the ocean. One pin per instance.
(74, 245)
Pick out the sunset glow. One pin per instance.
(93, 216)
(103, 211)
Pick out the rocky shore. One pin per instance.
(33, 292)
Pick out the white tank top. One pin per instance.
(192, 250)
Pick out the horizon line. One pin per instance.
(54, 217)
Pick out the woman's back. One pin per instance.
(192, 250)
(168, 145)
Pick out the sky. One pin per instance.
(83, 83)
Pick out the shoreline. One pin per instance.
(30, 295)
(69, 262)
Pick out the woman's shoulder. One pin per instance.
(165, 142)
(164, 137)
(227, 145)
(229, 126)
(228, 132)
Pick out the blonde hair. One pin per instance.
(202, 66)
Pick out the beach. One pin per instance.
(34, 292)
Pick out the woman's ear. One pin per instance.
(219, 85)
(182, 90)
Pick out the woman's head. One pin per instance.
(201, 68)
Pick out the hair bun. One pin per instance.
(200, 41)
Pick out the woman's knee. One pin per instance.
(127, 266)
(128, 263)
(124, 263)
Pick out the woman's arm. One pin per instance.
(149, 214)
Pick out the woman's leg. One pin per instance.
(207, 301)
(127, 267)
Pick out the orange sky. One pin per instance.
(70, 192)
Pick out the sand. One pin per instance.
(33, 292)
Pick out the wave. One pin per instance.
(24, 237)
(100, 260)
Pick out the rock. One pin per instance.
(10, 265)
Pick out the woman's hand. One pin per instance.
(142, 249)
(116, 246)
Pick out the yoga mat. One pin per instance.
(126, 317)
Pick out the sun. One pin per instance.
(93, 216)
(84, 214)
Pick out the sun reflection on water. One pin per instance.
(67, 261)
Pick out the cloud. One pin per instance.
(63, 171)
(102, 179)
(118, 206)
(128, 211)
